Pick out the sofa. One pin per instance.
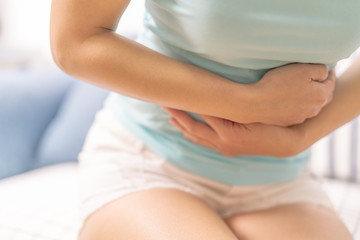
(44, 117)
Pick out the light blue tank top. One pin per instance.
(239, 40)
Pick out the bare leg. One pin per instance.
(295, 222)
(156, 214)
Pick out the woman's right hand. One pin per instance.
(290, 94)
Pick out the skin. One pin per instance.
(162, 214)
(232, 138)
(84, 45)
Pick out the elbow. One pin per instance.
(57, 54)
(64, 48)
(72, 54)
(62, 54)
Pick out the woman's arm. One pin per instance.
(344, 107)
(231, 138)
(85, 45)
(234, 139)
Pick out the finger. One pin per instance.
(324, 90)
(213, 122)
(180, 119)
(319, 72)
(193, 138)
(186, 121)
(177, 113)
(167, 109)
(176, 124)
(218, 124)
(192, 126)
(183, 118)
(200, 141)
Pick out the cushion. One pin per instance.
(64, 137)
(28, 102)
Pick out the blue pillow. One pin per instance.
(28, 103)
(64, 137)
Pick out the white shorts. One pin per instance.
(115, 163)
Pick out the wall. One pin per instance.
(25, 25)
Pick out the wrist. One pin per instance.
(257, 107)
(241, 103)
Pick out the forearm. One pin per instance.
(126, 67)
(84, 44)
(344, 107)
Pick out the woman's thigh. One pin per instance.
(158, 213)
(296, 222)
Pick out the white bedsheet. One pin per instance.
(42, 204)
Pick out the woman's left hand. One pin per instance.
(232, 139)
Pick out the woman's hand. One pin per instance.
(232, 139)
(292, 93)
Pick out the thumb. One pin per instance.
(216, 123)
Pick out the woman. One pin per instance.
(256, 81)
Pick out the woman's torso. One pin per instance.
(240, 40)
